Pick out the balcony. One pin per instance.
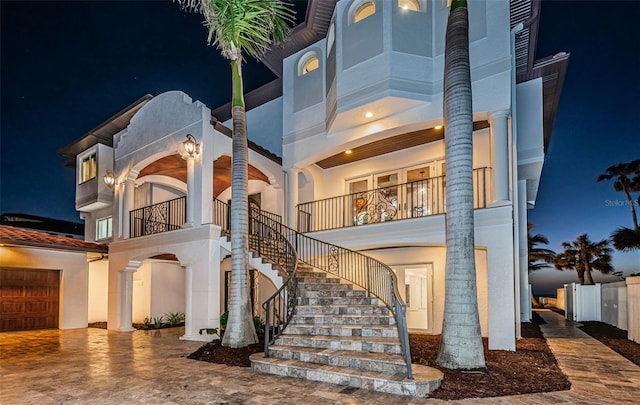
(157, 218)
(398, 202)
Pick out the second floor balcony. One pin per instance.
(397, 202)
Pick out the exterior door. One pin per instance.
(418, 294)
(357, 202)
(29, 299)
(387, 198)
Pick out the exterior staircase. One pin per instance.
(339, 335)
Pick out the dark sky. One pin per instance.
(68, 66)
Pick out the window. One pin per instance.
(331, 37)
(103, 228)
(364, 10)
(309, 65)
(409, 5)
(88, 168)
(309, 62)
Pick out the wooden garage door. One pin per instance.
(29, 299)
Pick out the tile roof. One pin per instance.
(26, 237)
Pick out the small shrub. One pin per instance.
(158, 322)
(147, 323)
(174, 318)
(210, 331)
(259, 324)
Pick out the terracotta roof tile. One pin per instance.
(28, 237)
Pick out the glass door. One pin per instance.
(358, 201)
(386, 196)
(419, 191)
(417, 294)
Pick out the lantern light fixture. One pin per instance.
(109, 179)
(191, 146)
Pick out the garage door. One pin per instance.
(29, 299)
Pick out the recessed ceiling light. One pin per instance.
(348, 152)
(369, 114)
(438, 127)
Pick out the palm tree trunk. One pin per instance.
(587, 272)
(633, 209)
(461, 345)
(240, 331)
(580, 277)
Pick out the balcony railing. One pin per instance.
(402, 201)
(157, 218)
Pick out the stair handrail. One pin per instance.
(329, 257)
(267, 242)
(372, 275)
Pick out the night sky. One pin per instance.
(68, 66)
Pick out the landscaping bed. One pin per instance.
(614, 338)
(532, 368)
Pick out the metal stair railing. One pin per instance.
(375, 277)
(268, 243)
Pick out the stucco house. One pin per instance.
(361, 165)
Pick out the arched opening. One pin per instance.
(409, 5)
(363, 11)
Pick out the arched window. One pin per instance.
(308, 63)
(409, 5)
(363, 11)
(331, 37)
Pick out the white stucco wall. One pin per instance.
(98, 293)
(74, 278)
(167, 288)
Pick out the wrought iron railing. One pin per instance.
(402, 201)
(267, 241)
(376, 278)
(157, 218)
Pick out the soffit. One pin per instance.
(175, 167)
(391, 144)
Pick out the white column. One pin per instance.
(191, 194)
(127, 297)
(525, 297)
(128, 203)
(292, 196)
(499, 124)
(188, 305)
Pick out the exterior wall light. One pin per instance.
(109, 179)
(191, 146)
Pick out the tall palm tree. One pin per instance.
(539, 258)
(626, 178)
(237, 27)
(583, 255)
(461, 345)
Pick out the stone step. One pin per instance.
(341, 309)
(325, 286)
(326, 293)
(343, 319)
(357, 300)
(343, 330)
(317, 280)
(352, 343)
(380, 362)
(426, 379)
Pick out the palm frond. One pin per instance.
(625, 239)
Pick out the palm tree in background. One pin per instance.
(237, 27)
(583, 256)
(461, 344)
(626, 178)
(539, 258)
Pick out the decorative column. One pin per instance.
(126, 297)
(188, 304)
(128, 203)
(191, 194)
(499, 123)
(292, 196)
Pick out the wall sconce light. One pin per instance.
(191, 146)
(109, 179)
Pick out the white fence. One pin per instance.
(633, 308)
(617, 304)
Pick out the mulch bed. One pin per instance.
(531, 368)
(614, 338)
